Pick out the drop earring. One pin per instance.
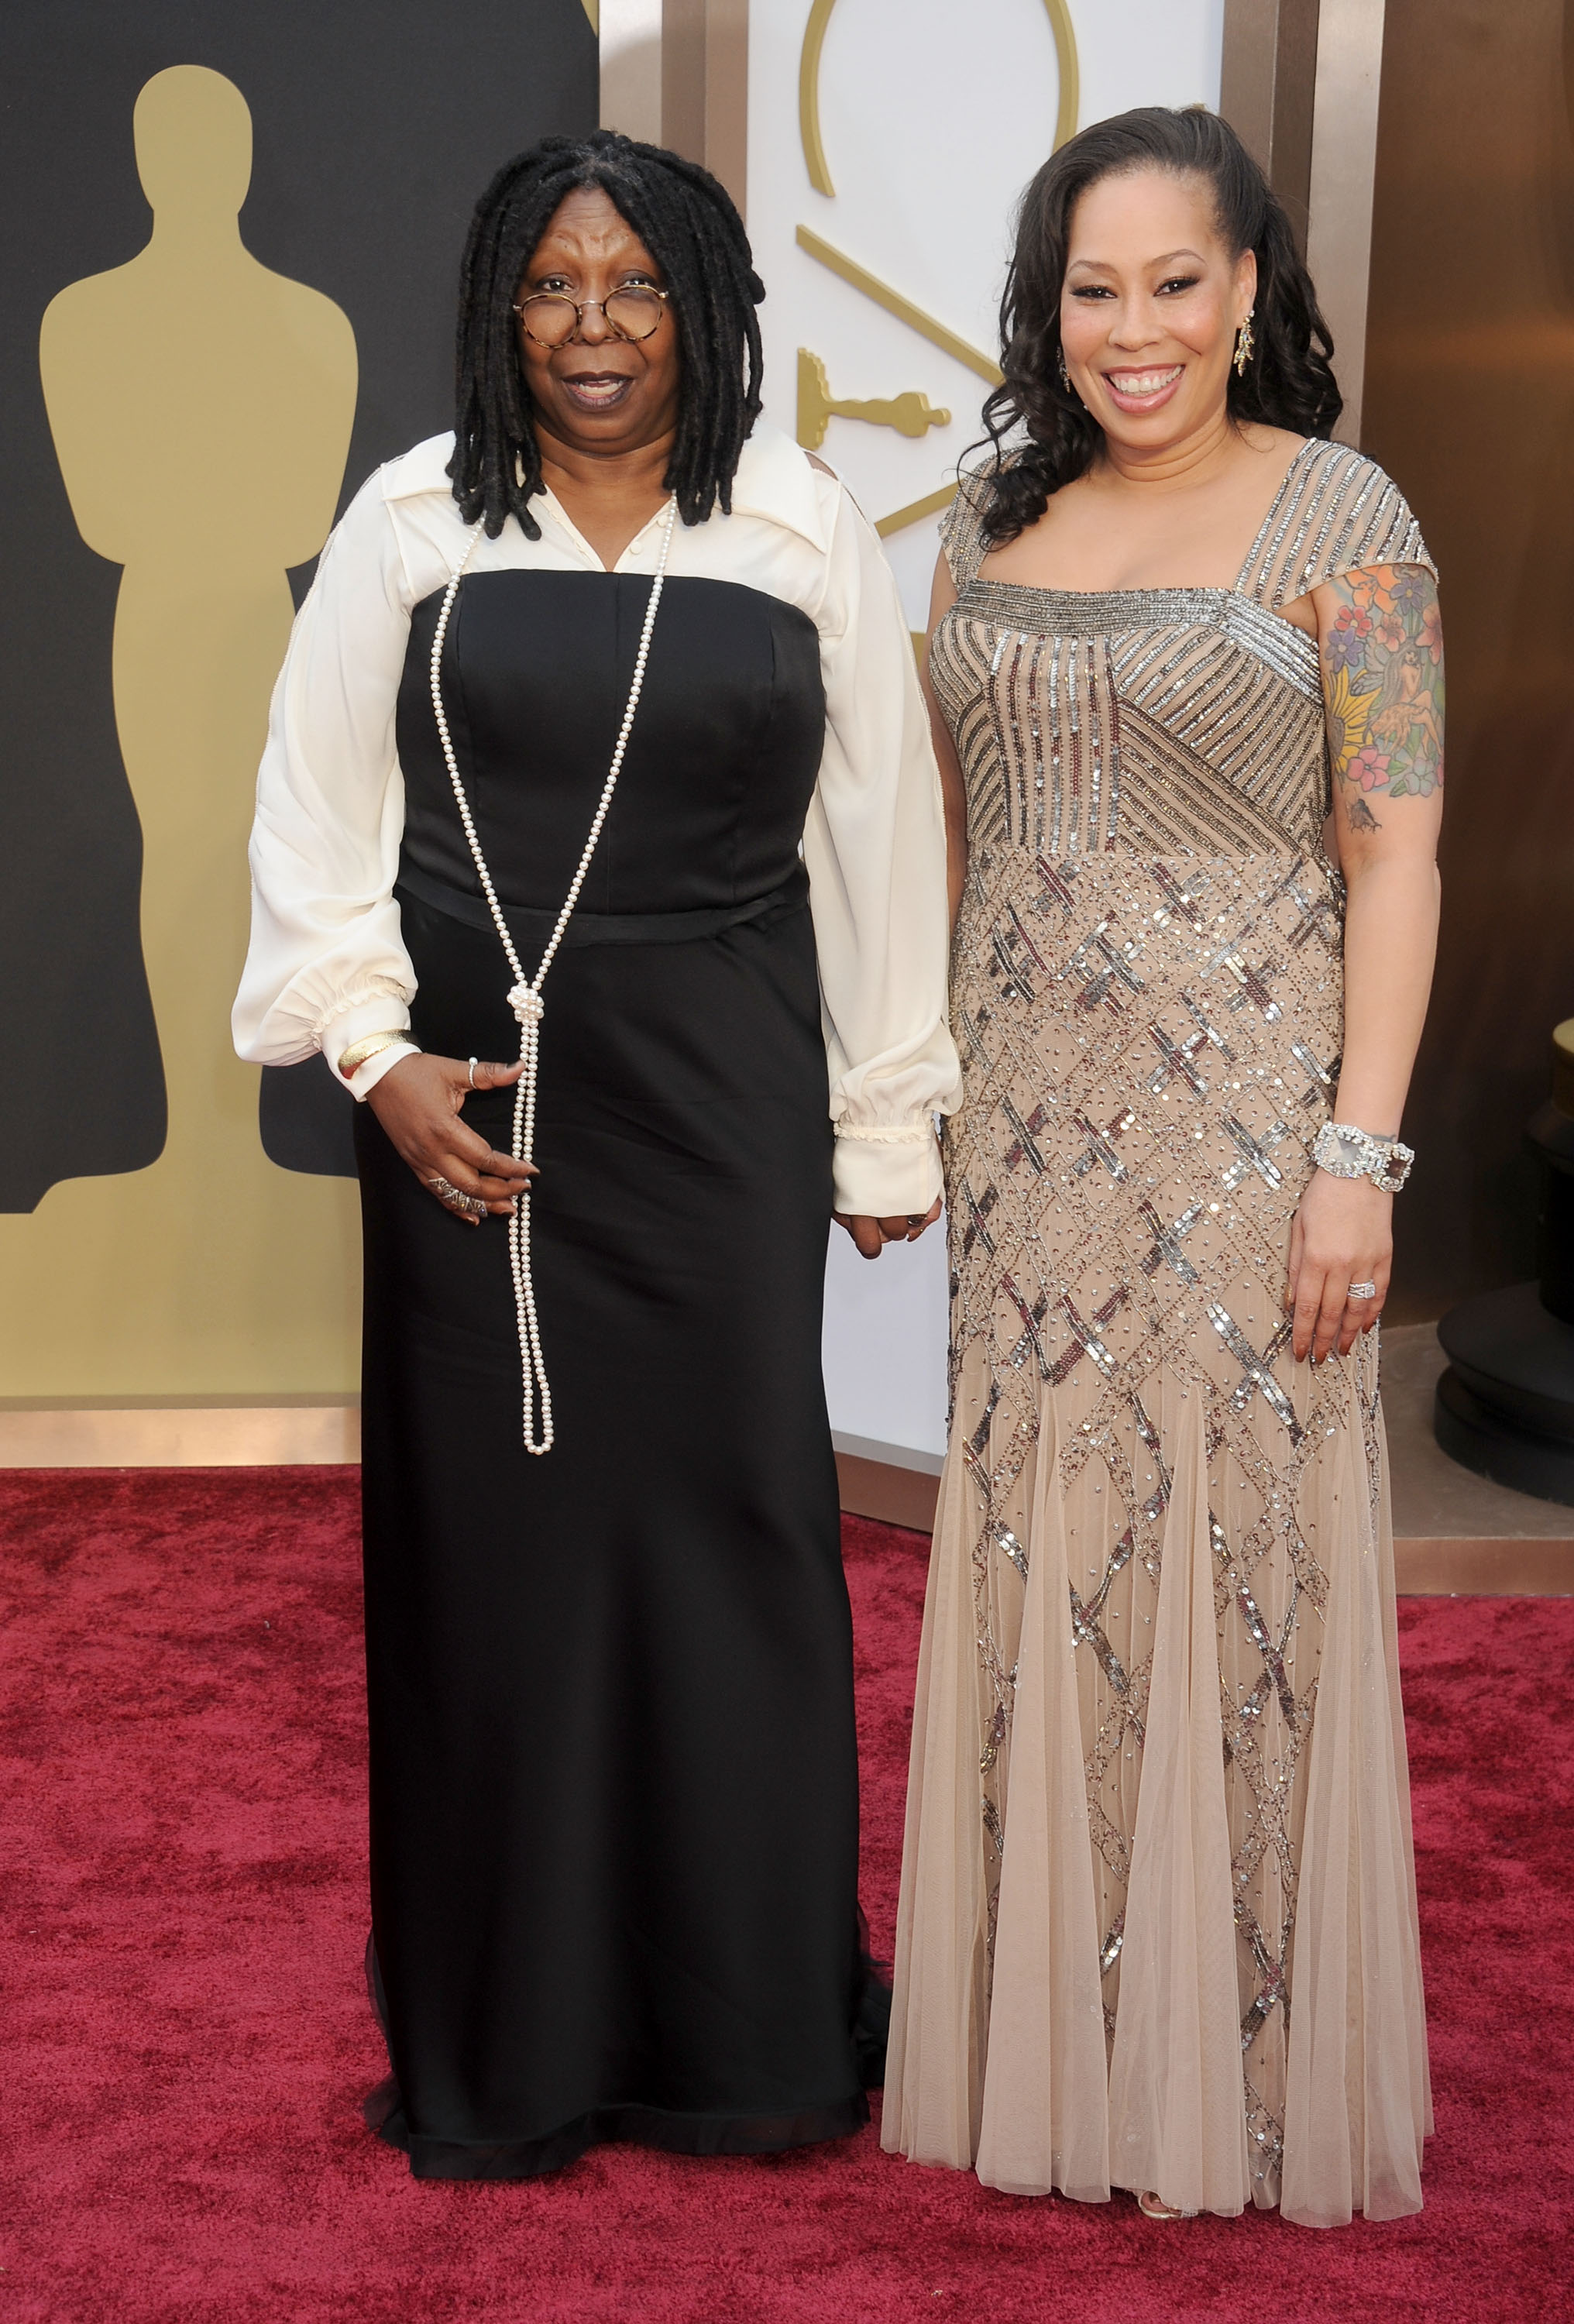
(1065, 377)
(1245, 341)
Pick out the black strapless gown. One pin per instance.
(615, 1817)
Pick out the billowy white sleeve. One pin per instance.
(326, 964)
(875, 848)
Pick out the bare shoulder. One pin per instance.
(1273, 445)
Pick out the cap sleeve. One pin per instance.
(961, 529)
(1337, 512)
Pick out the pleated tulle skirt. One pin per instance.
(1157, 1924)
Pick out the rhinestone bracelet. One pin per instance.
(1346, 1152)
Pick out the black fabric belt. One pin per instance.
(530, 928)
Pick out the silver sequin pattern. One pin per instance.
(1147, 1001)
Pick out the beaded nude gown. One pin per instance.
(1157, 1925)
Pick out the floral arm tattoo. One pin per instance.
(1383, 687)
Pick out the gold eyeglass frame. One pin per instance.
(582, 306)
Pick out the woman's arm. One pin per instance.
(1381, 641)
(326, 968)
(952, 789)
(875, 847)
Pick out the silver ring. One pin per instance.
(472, 1073)
(1363, 1291)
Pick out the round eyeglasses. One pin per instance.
(551, 319)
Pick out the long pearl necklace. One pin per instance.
(525, 993)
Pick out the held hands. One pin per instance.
(1343, 1234)
(419, 1102)
(871, 1236)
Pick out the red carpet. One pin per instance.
(186, 2037)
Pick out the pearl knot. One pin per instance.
(527, 1005)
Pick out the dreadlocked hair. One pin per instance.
(1289, 382)
(688, 223)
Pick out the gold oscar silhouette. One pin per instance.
(909, 414)
(201, 409)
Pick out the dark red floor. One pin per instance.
(187, 2039)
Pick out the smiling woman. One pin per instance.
(599, 743)
(1185, 668)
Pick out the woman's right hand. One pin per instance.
(419, 1103)
(871, 1235)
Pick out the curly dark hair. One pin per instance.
(687, 221)
(1289, 382)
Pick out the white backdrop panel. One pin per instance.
(933, 114)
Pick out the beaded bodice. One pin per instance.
(1169, 721)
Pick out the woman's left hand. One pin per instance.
(1343, 1234)
(871, 1236)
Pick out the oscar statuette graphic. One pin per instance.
(200, 407)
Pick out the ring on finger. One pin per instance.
(1363, 1291)
(455, 1198)
(472, 1066)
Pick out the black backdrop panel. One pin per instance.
(376, 123)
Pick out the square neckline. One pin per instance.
(1192, 589)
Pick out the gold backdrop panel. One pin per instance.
(201, 409)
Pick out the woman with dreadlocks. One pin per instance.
(599, 751)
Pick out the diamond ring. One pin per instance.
(1363, 1291)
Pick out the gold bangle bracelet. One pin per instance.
(359, 1051)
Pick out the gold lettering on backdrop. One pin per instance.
(916, 510)
(815, 31)
(809, 96)
(201, 408)
(910, 415)
(858, 277)
(895, 304)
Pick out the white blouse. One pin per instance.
(328, 965)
